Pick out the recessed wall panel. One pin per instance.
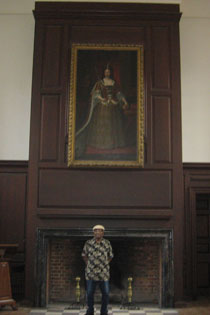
(203, 271)
(65, 188)
(161, 58)
(49, 137)
(202, 225)
(12, 205)
(161, 121)
(118, 34)
(52, 56)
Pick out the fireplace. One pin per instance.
(144, 255)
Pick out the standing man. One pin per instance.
(97, 254)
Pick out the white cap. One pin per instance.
(99, 227)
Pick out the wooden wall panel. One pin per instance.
(202, 269)
(197, 257)
(161, 122)
(13, 193)
(52, 56)
(202, 225)
(91, 34)
(161, 57)
(50, 123)
(117, 189)
(60, 192)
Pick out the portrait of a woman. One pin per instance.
(104, 127)
(104, 105)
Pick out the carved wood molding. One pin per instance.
(108, 11)
(196, 166)
(13, 166)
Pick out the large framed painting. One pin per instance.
(106, 110)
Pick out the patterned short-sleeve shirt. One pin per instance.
(98, 254)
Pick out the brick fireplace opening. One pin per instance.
(144, 255)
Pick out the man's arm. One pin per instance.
(110, 252)
(85, 258)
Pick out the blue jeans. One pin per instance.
(104, 287)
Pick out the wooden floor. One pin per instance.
(200, 307)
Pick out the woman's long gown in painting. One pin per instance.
(103, 129)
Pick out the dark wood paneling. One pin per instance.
(109, 11)
(13, 189)
(137, 198)
(202, 225)
(52, 56)
(161, 57)
(203, 270)
(161, 121)
(197, 168)
(197, 223)
(117, 189)
(50, 123)
(122, 34)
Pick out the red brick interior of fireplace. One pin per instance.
(136, 258)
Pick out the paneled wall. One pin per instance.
(13, 194)
(131, 198)
(197, 229)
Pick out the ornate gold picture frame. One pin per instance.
(106, 113)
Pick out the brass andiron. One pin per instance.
(129, 304)
(130, 293)
(76, 305)
(77, 289)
